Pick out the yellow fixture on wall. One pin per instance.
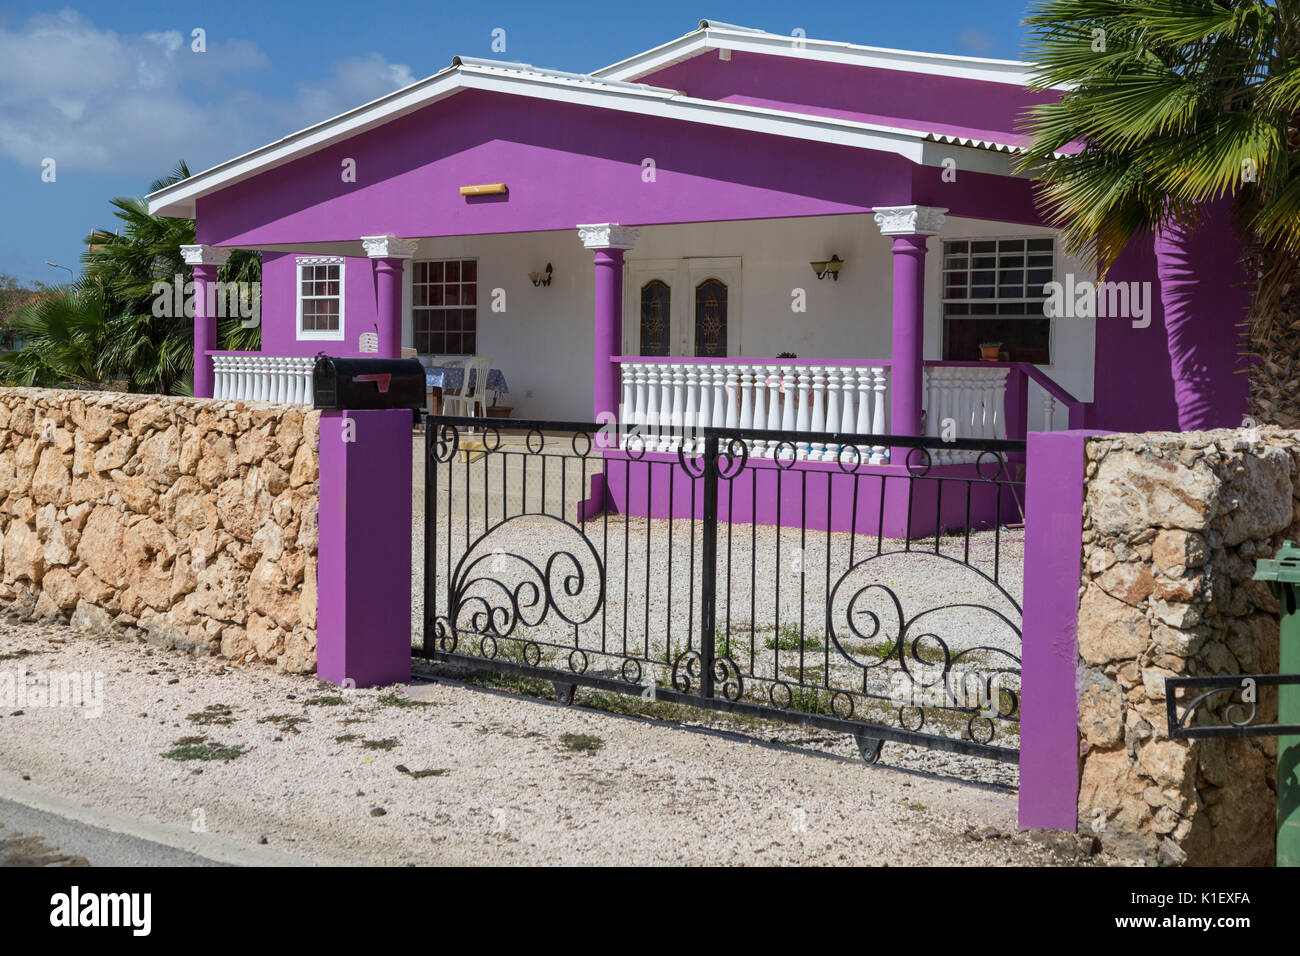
(485, 189)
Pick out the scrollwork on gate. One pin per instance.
(497, 586)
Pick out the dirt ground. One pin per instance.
(442, 772)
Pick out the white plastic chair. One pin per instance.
(470, 397)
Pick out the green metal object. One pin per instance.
(1282, 572)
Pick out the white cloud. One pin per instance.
(98, 101)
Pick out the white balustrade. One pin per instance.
(964, 401)
(670, 401)
(285, 379)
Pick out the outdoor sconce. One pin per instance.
(830, 267)
(541, 278)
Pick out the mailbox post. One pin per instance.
(364, 542)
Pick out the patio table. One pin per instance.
(451, 377)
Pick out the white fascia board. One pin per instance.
(982, 69)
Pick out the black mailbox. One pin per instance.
(360, 383)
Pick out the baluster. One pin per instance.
(862, 420)
(718, 373)
(306, 368)
(802, 422)
(733, 397)
(1049, 410)
(789, 406)
(651, 433)
(705, 416)
(833, 389)
(241, 377)
(218, 375)
(690, 417)
(817, 448)
(773, 405)
(1000, 405)
(674, 436)
(880, 385)
(665, 405)
(639, 404)
(760, 410)
(627, 410)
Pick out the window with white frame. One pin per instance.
(993, 294)
(444, 306)
(320, 298)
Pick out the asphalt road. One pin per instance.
(30, 837)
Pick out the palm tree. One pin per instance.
(64, 332)
(105, 329)
(156, 353)
(1178, 105)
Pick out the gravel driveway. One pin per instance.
(441, 773)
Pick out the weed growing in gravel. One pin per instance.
(286, 722)
(333, 700)
(790, 640)
(21, 652)
(420, 774)
(582, 743)
(200, 748)
(346, 738)
(219, 714)
(397, 700)
(387, 743)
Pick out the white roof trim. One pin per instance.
(525, 80)
(714, 35)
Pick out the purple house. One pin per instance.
(652, 236)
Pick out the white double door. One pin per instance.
(682, 307)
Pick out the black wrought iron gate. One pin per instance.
(782, 575)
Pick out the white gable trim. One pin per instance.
(523, 80)
(723, 36)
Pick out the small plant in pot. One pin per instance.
(786, 355)
(989, 351)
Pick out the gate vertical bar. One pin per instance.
(709, 563)
(430, 546)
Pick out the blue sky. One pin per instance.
(113, 93)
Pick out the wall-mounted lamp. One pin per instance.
(829, 267)
(541, 278)
(484, 189)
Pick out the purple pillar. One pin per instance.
(1049, 697)
(607, 340)
(388, 314)
(205, 331)
(206, 260)
(363, 580)
(909, 329)
(609, 241)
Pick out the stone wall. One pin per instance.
(1173, 524)
(188, 522)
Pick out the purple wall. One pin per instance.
(563, 164)
(868, 95)
(1188, 354)
(279, 307)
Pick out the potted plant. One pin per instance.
(990, 351)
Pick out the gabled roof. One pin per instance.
(714, 35)
(606, 89)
